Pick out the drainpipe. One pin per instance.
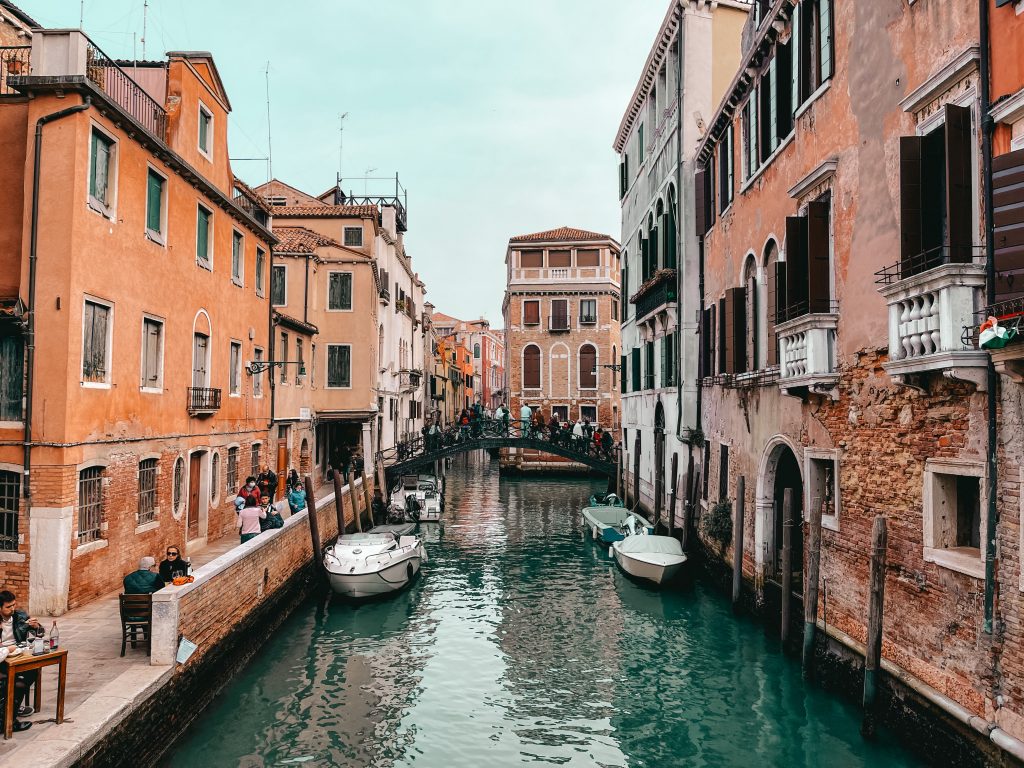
(33, 250)
(991, 519)
(679, 228)
(270, 344)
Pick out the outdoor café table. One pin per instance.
(26, 662)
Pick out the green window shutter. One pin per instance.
(236, 255)
(154, 202)
(203, 235)
(623, 372)
(346, 290)
(825, 38)
(635, 380)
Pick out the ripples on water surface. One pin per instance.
(522, 643)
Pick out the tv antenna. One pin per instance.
(341, 142)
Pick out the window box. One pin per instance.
(927, 314)
(807, 354)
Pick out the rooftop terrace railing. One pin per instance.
(104, 72)
(14, 60)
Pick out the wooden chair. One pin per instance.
(136, 617)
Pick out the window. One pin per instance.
(152, 353)
(204, 218)
(205, 131)
(560, 412)
(257, 378)
(476, 351)
(774, 279)
(936, 194)
(640, 145)
(237, 257)
(750, 313)
(339, 290)
(531, 367)
(822, 487)
(531, 313)
(767, 115)
(147, 491)
(814, 31)
(278, 285)
(179, 483)
(214, 476)
(634, 373)
(615, 310)
(254, 459)
(808, 269)
(559, 258)
(531, 259)
(10, 503)
(953, 519)
(588, 367)
(749, 126)
(101, 172)
(725, 169)
(282, 354)
(155, 185)
(588, 310)
(235, 369)
(588, 413)
(96, 338)
(668, 360)
(354, 236)
(723, 472)
(649, 365)
(261, 260)
(200, 360)
(339, 365)
(559, 315)
(299, 359)
(90, 504)
(12, 376)
(312, 366)
(232, 472)
(705, 470)
(588, 258)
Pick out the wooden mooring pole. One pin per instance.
(873, 651)
(787, 562)
(737, 543)
(354, 501)
(618, 472)
(314, 527)
(339, 502)
(367, 504)
(811, 590)
(675, 494)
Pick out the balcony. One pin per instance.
(203, 401)
(558, 324)
(807, 354)
(928, 310)
(14, 60)
(655, 303)
(1009, 361)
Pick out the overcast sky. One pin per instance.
(498, 116)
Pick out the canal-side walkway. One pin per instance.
(102, 687)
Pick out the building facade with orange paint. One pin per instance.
(132, 298)
(488, 354)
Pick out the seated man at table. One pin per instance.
(144, 581)
(15, 627)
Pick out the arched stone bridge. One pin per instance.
(423, 451)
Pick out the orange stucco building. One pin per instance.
(133, 292)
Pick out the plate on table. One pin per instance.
(14, 652)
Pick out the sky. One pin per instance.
(498, 117)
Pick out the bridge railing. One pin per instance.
(483, 428)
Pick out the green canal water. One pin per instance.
(521, 643)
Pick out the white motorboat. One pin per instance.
(607, 521)
(396, 529)
(418, 499)
(369, 564)
(654, 558)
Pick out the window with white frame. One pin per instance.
(232, 471)
(179, 485)
(821, 490)
(214, 476)
(237, 256)
(152, 353)
(339, 365)
(299, 370)
(279, 285)
(235, 369)
(97, 331)
(102, 171)
(156, 205)
(204, 225)
(954, 504)
(147, 491)
(205, 131)
(354, 237)
(588, 310)
(257, 378)
(261, 266)
(339, 291)
(90, 504)
(588, 413)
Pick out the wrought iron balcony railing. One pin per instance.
(203, 400)
(655, 293)
(125, 92)
(14, 60)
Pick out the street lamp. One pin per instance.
(257, 367)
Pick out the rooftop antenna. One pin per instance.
(270, 165)
(366, 180)
(145, 8)
(81, 14)
(341, 143)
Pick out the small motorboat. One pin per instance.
(369, 564)
(397, 529)
(607, 520)
(653, 558)
(418, 499)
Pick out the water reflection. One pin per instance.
(522, 643)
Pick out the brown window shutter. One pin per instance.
(531, 312)
(958, 182)
(712, 335)
(700, 217)
(911, 153)
(818, 257)
(796, 268)
(776, 294)
(1008, 223)
(531, 368)
(736, 322)
(724, 329)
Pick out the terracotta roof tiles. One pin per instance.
(301, 240)
(317, 211)
(567, 234)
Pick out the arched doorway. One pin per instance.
(780, 469)
(659, 461)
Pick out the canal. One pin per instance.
(522, 643)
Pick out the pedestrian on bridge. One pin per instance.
(525, 418)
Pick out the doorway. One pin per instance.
(780, 470)
(198, 500)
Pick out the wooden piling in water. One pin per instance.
(618, 472)
(787, 561)
(675, 493)
(339, 503)
(873, 650)
(314, 527)
(636, 470)
(811, 590)
(354, 501)
(367, 504)
(737, 543)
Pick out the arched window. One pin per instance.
(751, 311)
(214, 476)
(771, 259)
(179, 484)
(670, 230)
(588, 367)
(476, 351)
(531, 367)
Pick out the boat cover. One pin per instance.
(660, 545)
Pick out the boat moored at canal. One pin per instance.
(418, 499)
(653, 558)
(370, 564)
(608, 521)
